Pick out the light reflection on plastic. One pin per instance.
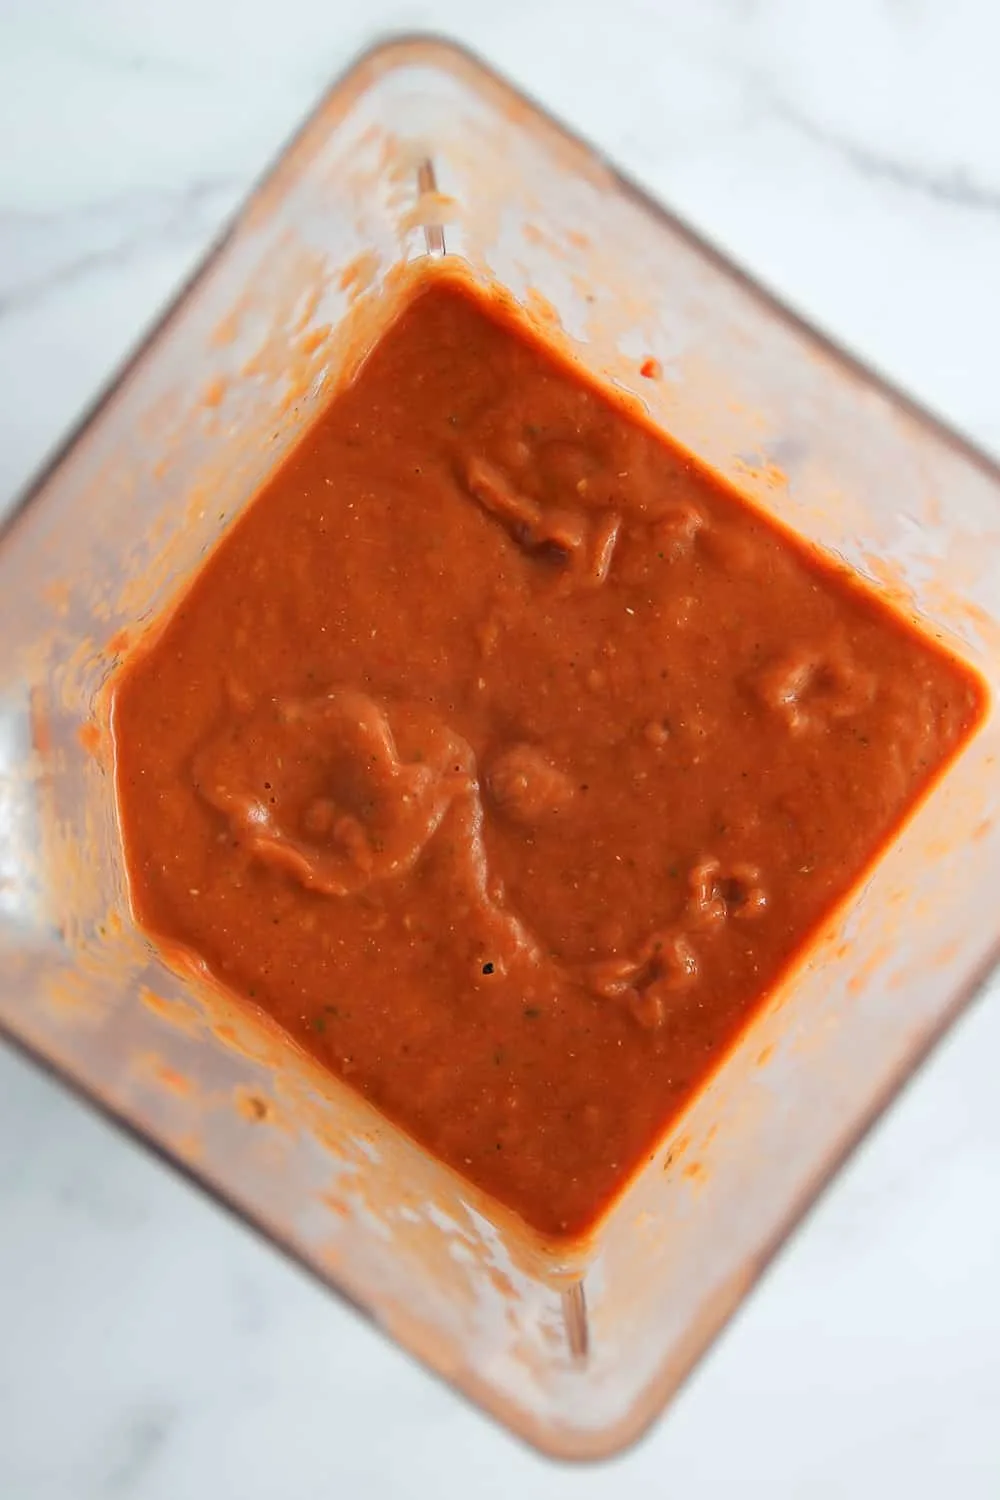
(19, 831)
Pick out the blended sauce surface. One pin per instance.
(505, 757)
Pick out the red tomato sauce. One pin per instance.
(506, 757)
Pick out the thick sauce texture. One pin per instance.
(506, 758)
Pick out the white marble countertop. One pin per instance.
(848, 152)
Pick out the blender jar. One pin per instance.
(420, 152)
